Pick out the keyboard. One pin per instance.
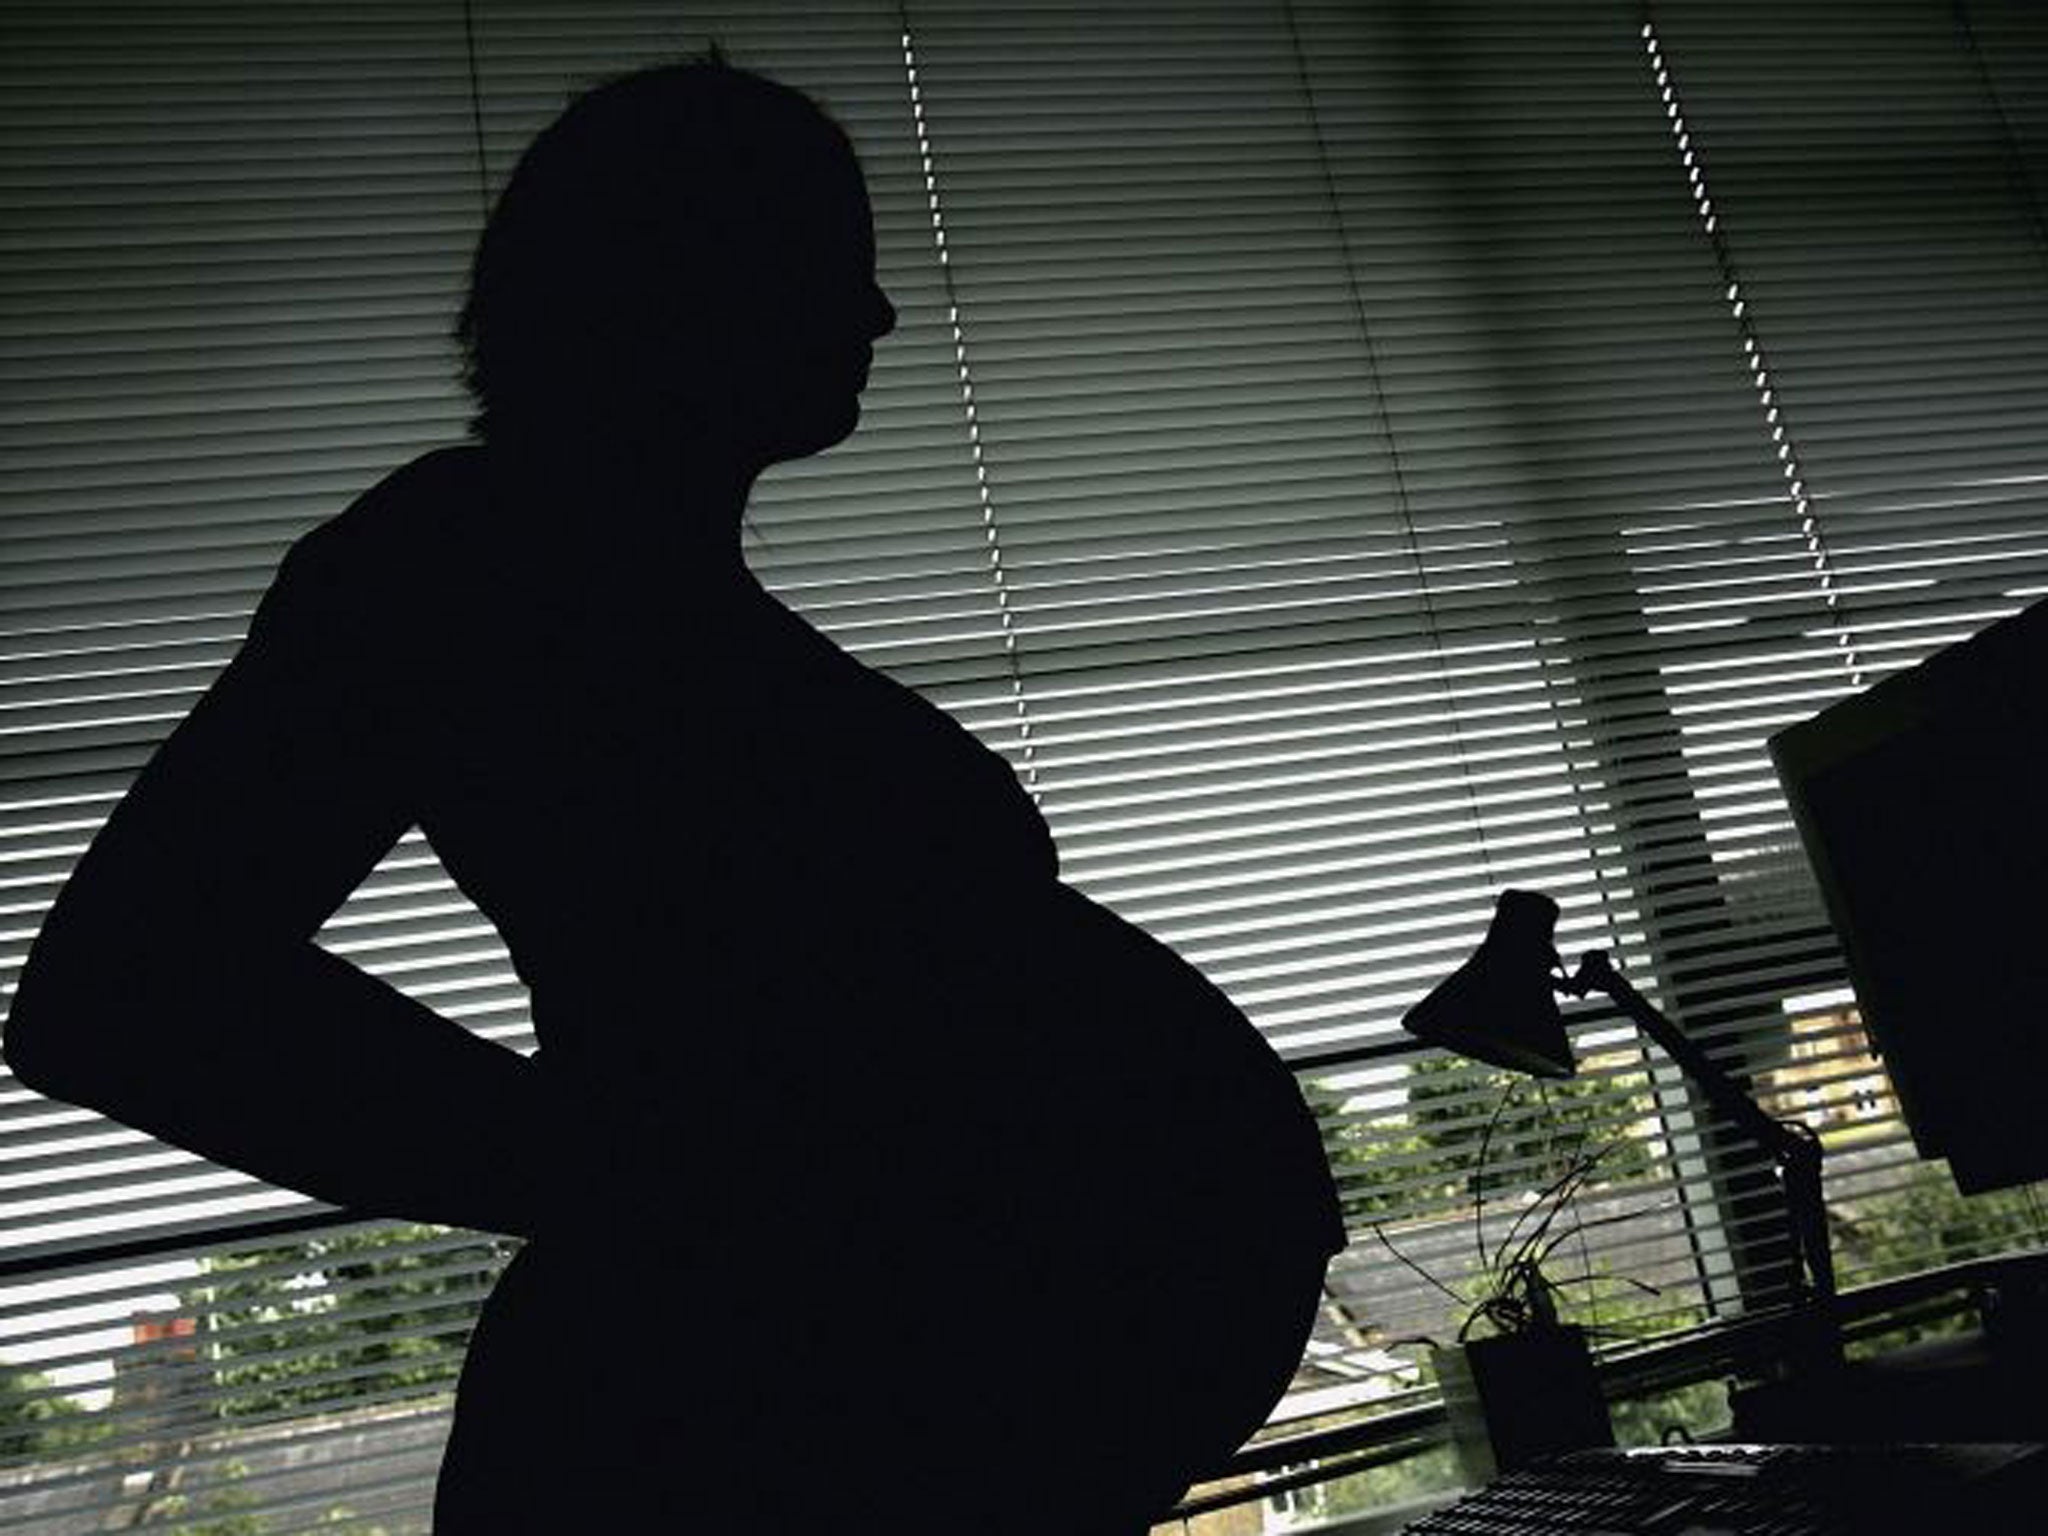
(1757, 1490)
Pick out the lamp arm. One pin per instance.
(1792, 1146)
(1596, 973)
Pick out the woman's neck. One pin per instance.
(675, 520)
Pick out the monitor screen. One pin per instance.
(1920, 802)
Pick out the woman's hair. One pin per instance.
(638, 207)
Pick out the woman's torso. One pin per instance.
(843, 1061)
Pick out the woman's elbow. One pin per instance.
(64, 1029)
(33, 1039)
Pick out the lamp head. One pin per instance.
(1500, 1006)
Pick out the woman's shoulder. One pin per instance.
(374, 593)
(405, 558)
(419, 516)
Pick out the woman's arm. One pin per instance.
(176, 986)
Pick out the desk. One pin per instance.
(1987, 1383)
(1966, 1387)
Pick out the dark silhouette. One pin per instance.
(874, 1179)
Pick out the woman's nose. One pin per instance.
(883, 318)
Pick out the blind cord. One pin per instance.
(990, 535)
(1394, 464)
(2015, 162)
(1790, 464)
(476, 109)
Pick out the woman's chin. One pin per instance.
(820, 425)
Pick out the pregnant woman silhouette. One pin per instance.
(872, 1179)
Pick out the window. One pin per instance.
(1348, 459)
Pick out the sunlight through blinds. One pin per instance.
(1348, 459)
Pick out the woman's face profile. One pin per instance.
(788, 344)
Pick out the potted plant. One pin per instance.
(1530, 1391)
(1518, 1380)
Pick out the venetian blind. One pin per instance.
(1870, 182)
(1395, 503)
(234, 235)
(1340, 457)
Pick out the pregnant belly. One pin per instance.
(1071, 1144)
(924, 1081)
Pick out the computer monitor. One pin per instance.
(1923, 805)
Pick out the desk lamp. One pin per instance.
(1500, 1007)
